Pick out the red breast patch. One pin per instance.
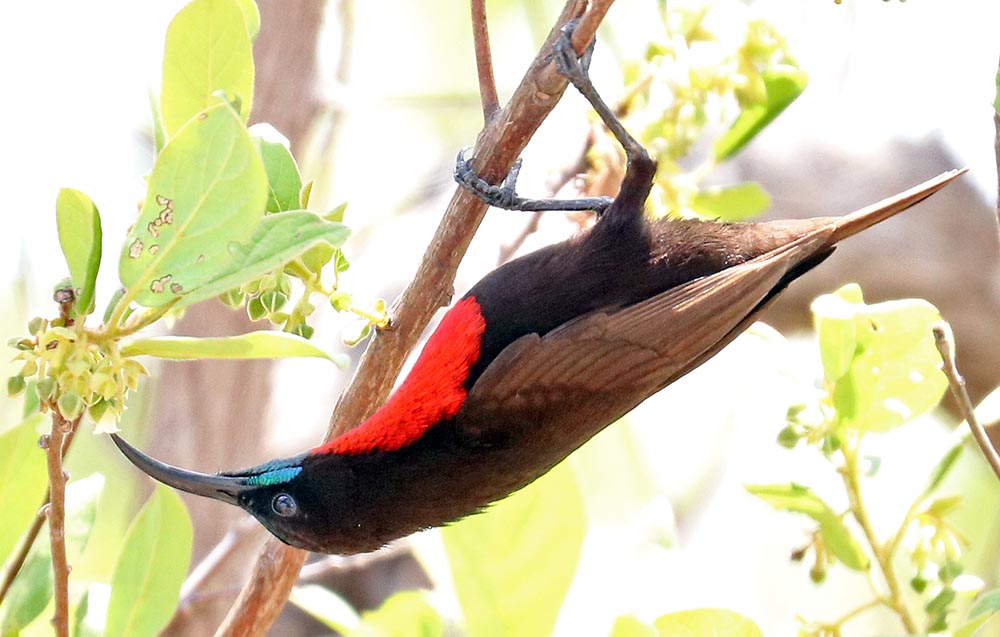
(433, 391)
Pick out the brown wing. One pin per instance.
(564, 387)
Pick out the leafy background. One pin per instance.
(879, 72)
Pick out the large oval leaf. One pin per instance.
(151, 567)
(207, 190)
(513, 564)
(208, 49)
(276, 240)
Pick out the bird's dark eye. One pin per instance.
(284, 505)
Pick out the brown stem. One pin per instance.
(56, 512)
(942, 338)
(484, 62)
(500, 143)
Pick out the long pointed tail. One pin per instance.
(868, 216)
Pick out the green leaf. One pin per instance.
(799, 499)
(706, 622)
(31, 591)
(151, 567)
(22, 481)
(276, 240)
(261, 344)
(628, 626)
(79, 226)
(783, 84)
(893, 374)
(208, 189)
(505, 584)
(943, 467)
(404, 614)
(283, 178)
(208, 49)
(731, 203)
(987, 603)
(326, 607)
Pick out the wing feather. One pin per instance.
(604, 364)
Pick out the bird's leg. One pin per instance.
(640, 168)
(576, 69)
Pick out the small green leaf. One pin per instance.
(731, 203)
(261, 344)
(628, 626)
(799, 499)
(79, 226)
(151, 567)
(404, 614)
(783, 84)
(283, 178)
(509, 586)
(208, 49)
(706, 622)
(326, 607)
(207, 190)
(943, 467)
(275, 241)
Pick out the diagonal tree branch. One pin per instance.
(499, 145)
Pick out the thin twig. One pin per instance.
(499, 145)
(942, 338)
(56, 513)
(895, 601)
(484, 62)
(216, 558)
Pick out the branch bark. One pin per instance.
(499, 145)
(56, 513)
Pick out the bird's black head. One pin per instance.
(282, 494)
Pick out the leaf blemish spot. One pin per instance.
(153, 249)
(160, 284)
(200, 259)
(176, 288)
(135, 250)
(152, 230)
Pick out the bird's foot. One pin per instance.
(505, 195)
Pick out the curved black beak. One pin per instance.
(223, 488)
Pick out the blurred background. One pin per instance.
(376, 99)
